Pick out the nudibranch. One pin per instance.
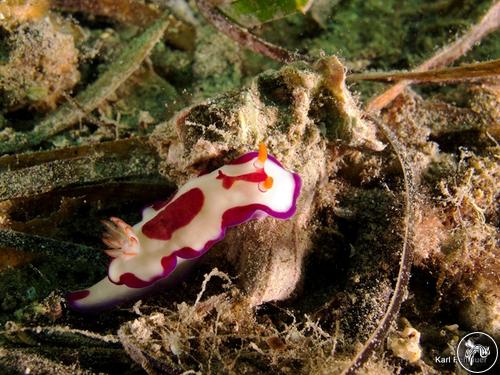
(174, 232)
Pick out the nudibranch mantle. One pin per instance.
(186, 226)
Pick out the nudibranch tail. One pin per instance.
(106, 294)
(120, 238)
(101, 296)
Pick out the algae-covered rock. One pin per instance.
(276, 109)
(455, 155)
(14, 12)
(405, 344)
(216, 63)
(40, 67)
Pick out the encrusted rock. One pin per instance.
(406, 344)
(42, 65)
(283, 109)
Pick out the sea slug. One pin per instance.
(186, 226)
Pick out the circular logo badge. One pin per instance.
(477, 352)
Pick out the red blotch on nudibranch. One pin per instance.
(160, 204)
(168, 264)
(177, 214)
(237, 215)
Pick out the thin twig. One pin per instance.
(245, 38)
(406, 259)
(489, 23)
(119, 147)
(56, 334)
(458, 73)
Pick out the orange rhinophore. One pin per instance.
(268, 183)
(262, 157)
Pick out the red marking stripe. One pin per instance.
(177, 214)
(228, 181)
(75, 296)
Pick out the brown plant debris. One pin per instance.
(488, 24)
(457, 211)
(67, 115)
(37, 173)
(220, 334)
(406, 261)
(59, 350)
(134, 12)
(483, 70)
(42, 246)
(244, 37)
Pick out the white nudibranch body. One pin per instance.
(183, 228)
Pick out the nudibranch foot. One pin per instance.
(106, 294)
(120, 238)
(101, 296)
